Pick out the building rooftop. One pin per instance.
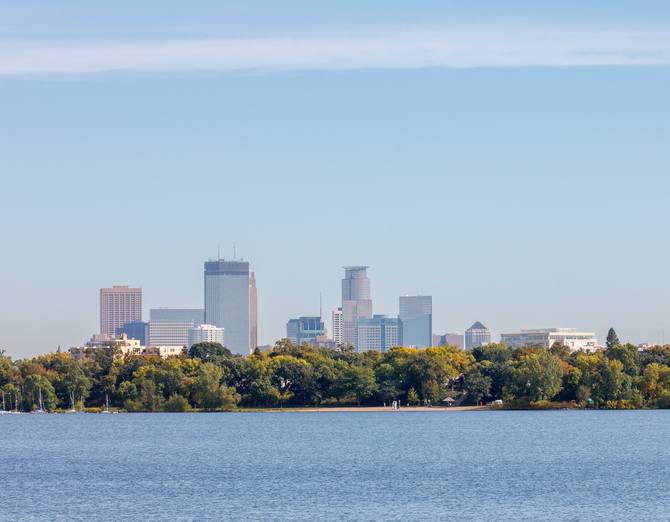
(478, 326)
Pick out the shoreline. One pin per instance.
(368, 409)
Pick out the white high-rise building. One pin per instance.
(206, 333)
(337, 326)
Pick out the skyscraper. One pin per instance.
(477, 335)
(416, 314)
(253, 313)
(337, 326)
(119, 305)
(169, 326)
(356, 302)
(227, 301)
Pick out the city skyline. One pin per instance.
(522, 195)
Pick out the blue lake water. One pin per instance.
(478, 465)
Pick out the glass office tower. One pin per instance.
(227, 291)
(304, 330)
(356, 302)
(416, 314)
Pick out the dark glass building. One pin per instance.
(138, 330)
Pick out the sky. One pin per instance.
(509, 159)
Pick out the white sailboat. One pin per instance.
(107, 404)
(72, 409)
(41, 408)
(16, 404)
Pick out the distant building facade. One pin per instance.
(416, 314)
(450, 338)
(126, 347)
(356, 302)
(253, 313)
(206, 333)
(305, 330)
(169, 326)
(138, 330)
(228, 288)
(379, 332)
(477, 335)
(119, 305)
(322, 341)
(337, 326)
(546, 337)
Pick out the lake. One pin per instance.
(473, 465)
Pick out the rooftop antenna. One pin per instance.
(320, 306)
(234, 251)
(218, 252)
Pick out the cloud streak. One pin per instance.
(477, 46)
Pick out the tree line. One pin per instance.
(208, 377)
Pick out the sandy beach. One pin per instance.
(381, 408)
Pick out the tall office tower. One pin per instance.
(206, 333)
(253, 313)
(227, 292)
(119, 305)
(169, 326)
(305, 330)
(416, 314)
(138, 330)
(337, 326)
(477, 335)
(356, 302)
(378, 333)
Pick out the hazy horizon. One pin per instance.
(510, 160)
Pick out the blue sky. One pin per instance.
(510, 160)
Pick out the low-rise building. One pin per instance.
(125, 346)
(380, 333)
(206, 333)
(450, 338)
(546, 337)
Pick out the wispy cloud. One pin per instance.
(461, 47)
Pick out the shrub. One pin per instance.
(176, 403)
(132, 406)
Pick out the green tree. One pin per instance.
(477, 386)
(412, 396)
(6, 372)
(612, 339)
(432, 392)
(176, 403)
(207, 352)
(210, 394)
(263, 392)
(358, 382)
(538, 377)
(33, 384)
(627, 355)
